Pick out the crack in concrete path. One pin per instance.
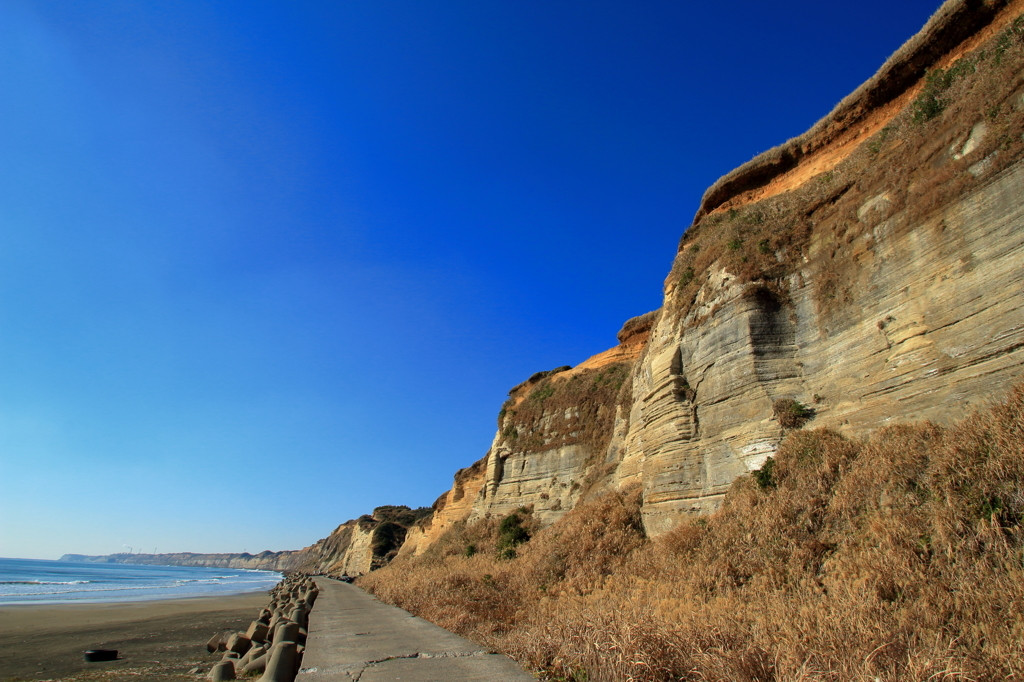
(355, 671)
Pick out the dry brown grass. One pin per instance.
(895, 558)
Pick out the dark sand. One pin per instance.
(156, 640)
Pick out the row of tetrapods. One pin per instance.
(274, 642)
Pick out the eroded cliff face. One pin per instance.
(551, 445)
(935, 326)
(553, 435)
(889, 288)
(871, 269)
(453, 507)
(360, 545)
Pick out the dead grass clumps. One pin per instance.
(895, 558)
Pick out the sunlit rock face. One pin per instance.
(702, 408)
(871, 270)
(554, 433)
(358, 546)
(452, 508)
(933, 325)
(551, 447)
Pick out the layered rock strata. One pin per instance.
(889, 288)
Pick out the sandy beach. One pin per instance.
(156, 640)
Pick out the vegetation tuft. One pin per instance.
(764, 477)
(558, 411)
(934, 97)
(791, 414)
(511, 534)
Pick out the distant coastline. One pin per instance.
(264, 561)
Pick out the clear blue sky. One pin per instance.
(267, 265)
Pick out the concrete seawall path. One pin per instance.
(353, 636)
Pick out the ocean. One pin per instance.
(36, 581)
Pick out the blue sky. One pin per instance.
(267, 265)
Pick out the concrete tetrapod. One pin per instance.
(239, 643)
(300, 614)
(257, 632)
(274, 643)
(283, 664)
(275, 620)
(287, 631)
(258, 663)
(218, 641)
(255, 652)
(225, 670)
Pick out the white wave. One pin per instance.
(45, 582)
(100, 589)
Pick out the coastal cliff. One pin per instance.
(361, 545)
(866, 273)
(355, 547)
(269, 561)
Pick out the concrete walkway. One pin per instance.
(352, 636)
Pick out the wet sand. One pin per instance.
(156, 640)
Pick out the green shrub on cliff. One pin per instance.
(791, 414)
(542, 393)
(511, 534)
(763, 476)
(933, 99)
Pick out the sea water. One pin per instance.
(36, 581)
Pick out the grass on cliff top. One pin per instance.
(560, 411)
(909, 159)
(900, 557)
